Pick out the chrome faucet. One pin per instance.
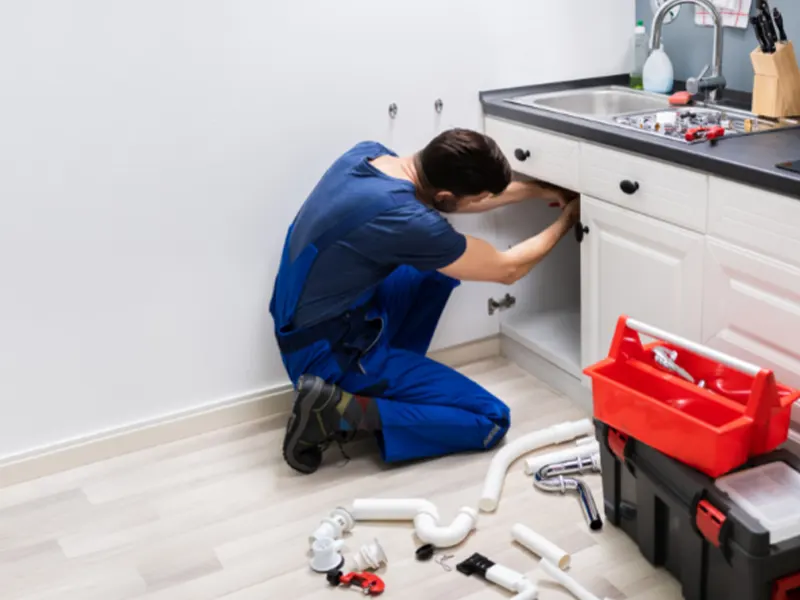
(715, 83)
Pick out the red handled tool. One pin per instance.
(370, 584)
(707, 133)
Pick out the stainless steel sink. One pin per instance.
(599, 103)
(649, 113)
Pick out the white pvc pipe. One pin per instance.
(541, 546)
(709, 353)
(493, 484)
(534, 463)
(513, 582)
(394, 509)
(428, 531)
(424, 515)
(572, 586)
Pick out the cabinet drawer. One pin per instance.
(762, 221)
(654, 188)
(551, 158)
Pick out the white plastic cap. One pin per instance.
(325, 555)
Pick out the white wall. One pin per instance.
(152, 153)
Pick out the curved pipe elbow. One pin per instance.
(493, 484)
(428, 530)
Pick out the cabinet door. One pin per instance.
(640, 267)
(752, 309)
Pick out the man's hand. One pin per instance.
(519, 191)
(572, 212)
(555, 195)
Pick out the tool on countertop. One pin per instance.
(762, 40)
(369, 583)
(779, 22)
(705, 133)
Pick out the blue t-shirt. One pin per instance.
(407, 233)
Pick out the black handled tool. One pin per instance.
(766, 23)
(762, 42)
(779, 22)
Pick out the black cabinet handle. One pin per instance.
(581, 230)
(521, 154)
(629, 187)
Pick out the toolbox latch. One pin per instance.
(787, 588)
(710, 522)
(617, 443)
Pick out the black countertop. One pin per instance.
(749, 159)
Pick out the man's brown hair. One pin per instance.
(464, 163)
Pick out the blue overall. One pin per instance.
(377, 349)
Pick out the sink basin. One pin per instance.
(649, 113)
(598, 103)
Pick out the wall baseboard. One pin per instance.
(262, 404)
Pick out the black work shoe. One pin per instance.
(313, 425)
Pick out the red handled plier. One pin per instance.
(370, 584)
(707, 133)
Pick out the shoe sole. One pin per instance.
(301, 411)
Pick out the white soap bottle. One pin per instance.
(658, 75)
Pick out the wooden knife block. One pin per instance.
(776, 90)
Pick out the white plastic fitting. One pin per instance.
(392, 509)
(424, 515)
(493, 484)
(370, 556)
(541, 546)
(428, 531)
(333, 527)
(513, 582)
(567, 582)
(534, 463)
(326, 555)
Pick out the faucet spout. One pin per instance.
(716, 78)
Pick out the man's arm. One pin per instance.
(517, 191)
(483, 262)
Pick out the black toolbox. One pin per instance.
(682, 522)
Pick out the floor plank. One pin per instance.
(219, 516)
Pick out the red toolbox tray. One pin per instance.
(740, 412)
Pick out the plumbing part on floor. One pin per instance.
(495, 477)
(552, 478)
(540, 546)
(326, 555)
(423, 514)
(477, 564)
(534, 463)
(425, 553)
(442, 561)
(370, 556)
(369, 583)
(333, 527)
(567, 582)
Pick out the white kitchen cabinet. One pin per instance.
(640, 267)
(545, 318)
(752, 309)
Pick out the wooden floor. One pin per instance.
(221, 516)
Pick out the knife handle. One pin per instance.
(779, 22)
(762, 41)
